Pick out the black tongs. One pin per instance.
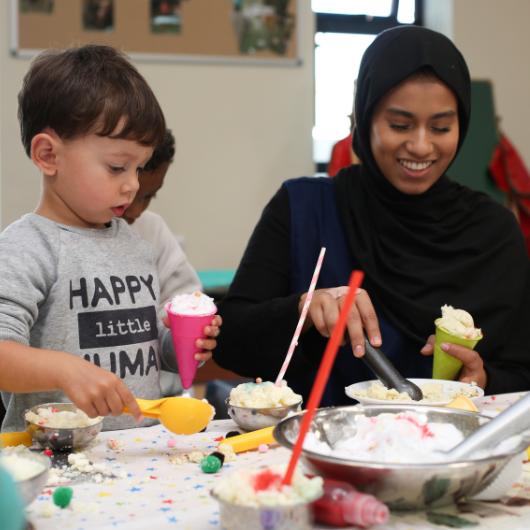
(386, 372)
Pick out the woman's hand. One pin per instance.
(473, 367)
(324, 312)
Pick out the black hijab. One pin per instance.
(449, 245)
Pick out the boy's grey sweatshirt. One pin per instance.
(90, 292)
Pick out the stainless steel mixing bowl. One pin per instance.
(400, 486)
(62, 439)
(252, 418)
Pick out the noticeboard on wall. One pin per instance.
(255, 31)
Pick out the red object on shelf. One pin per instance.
(342, 155)
(342, 505)
(511, 176)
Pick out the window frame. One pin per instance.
(364, 24)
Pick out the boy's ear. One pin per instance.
(44, 148)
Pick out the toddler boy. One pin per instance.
(78, 289)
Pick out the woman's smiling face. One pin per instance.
(414, 133)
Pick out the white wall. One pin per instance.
(242, 130)
(494, 38)
(439, 16)
(497, 43)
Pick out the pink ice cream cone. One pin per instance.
(185, 330)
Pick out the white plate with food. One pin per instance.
(436, 392)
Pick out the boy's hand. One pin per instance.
(209, 343)
(96, 391)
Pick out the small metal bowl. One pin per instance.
(236, 517)
(61, 439)
(30, 487)
(251, 419)
(400, 486)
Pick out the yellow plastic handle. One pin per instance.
(250, 440)
(150, 407)
(15, 438)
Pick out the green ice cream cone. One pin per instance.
(446, 366)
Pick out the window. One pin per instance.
(344, 29)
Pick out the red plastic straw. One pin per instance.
(301, 320)
(323, 372)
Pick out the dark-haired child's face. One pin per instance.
(150, 183)
(96, 179)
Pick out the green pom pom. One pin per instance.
(210, 464)
(62, 496)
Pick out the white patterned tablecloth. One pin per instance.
(158, 494)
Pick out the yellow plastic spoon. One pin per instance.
(180, 415)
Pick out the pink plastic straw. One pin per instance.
(323, 372)
(301, 320)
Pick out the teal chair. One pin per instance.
(215, 282)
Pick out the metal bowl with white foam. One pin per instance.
(254, 418)
(402, 486)
(62, 438)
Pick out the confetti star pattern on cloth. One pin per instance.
(180, 497)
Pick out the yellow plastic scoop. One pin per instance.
(180, 415)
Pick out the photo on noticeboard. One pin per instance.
(98, 15)
(166, 16)
(36, 6)
(263, 25)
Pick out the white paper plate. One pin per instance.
(450, 389)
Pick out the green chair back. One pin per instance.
(471, 165)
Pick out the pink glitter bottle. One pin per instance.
(342, 505)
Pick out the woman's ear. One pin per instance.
(44, 147)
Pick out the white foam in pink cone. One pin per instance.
(185, 330)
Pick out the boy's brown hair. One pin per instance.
(91, 89)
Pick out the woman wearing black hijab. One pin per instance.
(422, 240)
